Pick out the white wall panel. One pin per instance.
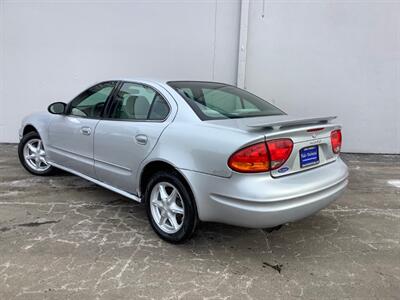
(51, 50)
(310, 57)
(331, 58)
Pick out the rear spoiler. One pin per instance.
(292, 122)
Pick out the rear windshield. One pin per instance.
(213, 101)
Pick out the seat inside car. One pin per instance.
(136, 107)
(141, 107)
(127, 111)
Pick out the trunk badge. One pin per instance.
(283, 170)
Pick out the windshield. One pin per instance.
(213, 101)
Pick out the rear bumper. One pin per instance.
(260, 201)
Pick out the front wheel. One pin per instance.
(32, 155)
(170, 207)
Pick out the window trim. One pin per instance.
(68, 108)
(107, 111)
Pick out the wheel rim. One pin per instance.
(35, 155)
(167, 208)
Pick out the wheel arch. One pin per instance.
(29, 128)
(36, 122)
(159, 165)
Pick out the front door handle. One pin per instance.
(86, 130)
(141, 139)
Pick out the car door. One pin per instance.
(71, 134)
(137, 116)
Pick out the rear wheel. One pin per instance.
(32, 155)
(170, 207)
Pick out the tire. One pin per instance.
(33, 138)
(184, 202)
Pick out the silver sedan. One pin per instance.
(190, 151)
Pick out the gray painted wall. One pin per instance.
(310, 57)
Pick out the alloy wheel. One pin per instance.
(35, 155)
(167, 207)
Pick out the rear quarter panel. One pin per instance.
(200, 146)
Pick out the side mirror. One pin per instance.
(57, 108)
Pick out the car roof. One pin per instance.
(160, 81)
(142, 79)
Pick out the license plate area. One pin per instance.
(309, 156)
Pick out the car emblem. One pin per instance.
(283, 170)
(314, 135)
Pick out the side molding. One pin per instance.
(102, 184)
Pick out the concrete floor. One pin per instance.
(63, 237)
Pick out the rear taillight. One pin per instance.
(279, 152)
(336, 140)
(251, 159)
(261, 157)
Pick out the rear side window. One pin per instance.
(159, 109)
(138, 102)
(213, 101)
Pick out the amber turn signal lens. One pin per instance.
(261, 157)
(251, 159)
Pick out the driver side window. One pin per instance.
(90, 103)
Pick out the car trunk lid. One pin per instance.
(311, 142)
(311, 139)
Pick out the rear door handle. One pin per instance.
(141, 139)
(86, 130)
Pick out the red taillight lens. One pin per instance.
(261, 157)
(279, 152)
(336, 140)
(251, 159)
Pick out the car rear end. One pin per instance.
(256, 166)
(291, 146)
(291, 173)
